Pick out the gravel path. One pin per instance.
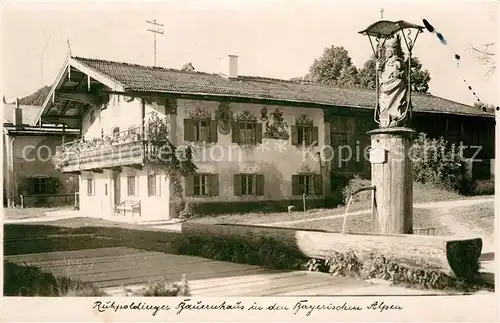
(430, 205)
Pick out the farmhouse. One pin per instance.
(28, 170)
(256, 142)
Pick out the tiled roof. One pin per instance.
(29, 114)
(156, 79)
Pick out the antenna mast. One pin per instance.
(155, 30)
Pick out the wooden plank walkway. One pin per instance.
(112, 268)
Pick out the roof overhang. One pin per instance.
(75, 89)
(39, 131)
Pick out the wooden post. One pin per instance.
(22, 202)
(392, 178)
(304, 201)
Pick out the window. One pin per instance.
(304, 135)
(90, 187)
(310, 184)
(116, 131)
(201, 185)
(131, 189)
(248, 133)
(40, 185)
(248, 184)
(200, 130)
(152, 185)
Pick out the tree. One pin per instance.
(367, 74)
(333, 67)
(484, 106)
(349, 77)
(419, 78)
(485, 57)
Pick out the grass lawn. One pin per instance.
(26, 213)
(423, 218)
(421, 194)
(481, 216)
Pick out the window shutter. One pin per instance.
(189, 185)
(314, 135)
(259, 184)
(237, 184)
(296, 189)
(294, 135)
(235, 132)
(212, 135)
(51, 185)
(214, 184)
(318, 185)
(188, 130)
(31, 185)
(258, 133)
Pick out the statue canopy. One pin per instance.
(386, 28)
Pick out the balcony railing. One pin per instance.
(117, 149)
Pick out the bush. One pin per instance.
(265, 252)
(378, 266)
(353, 185)
(441, 164)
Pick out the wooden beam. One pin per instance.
(60, 117)
(80, 97)
(135, 166)
(81, 83)
(71, 83)
(449, 254)
(102, 78)
(65, 107)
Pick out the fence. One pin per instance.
(49, 200)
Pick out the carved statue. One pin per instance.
(393, 102)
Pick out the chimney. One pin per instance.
(233, 66)
(17, 118)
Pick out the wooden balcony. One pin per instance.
(123, 148)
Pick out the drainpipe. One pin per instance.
(12, 176)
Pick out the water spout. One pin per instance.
(368, 188)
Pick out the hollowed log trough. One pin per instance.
(450, 254)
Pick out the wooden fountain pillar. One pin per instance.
(392, 177)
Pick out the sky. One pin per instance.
(273, 38)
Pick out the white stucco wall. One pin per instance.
(226, 159)
(119, 113)
(101, 205)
